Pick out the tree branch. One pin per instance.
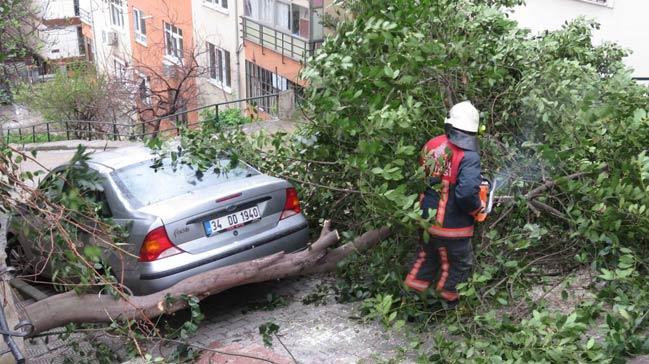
(69, 307)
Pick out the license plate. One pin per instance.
(232, 220)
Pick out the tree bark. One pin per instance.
(69, 307)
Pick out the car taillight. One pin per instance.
(157, 245)
(292, 205)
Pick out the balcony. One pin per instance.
(85, 16)
(284, 43)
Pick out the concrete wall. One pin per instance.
(622, 21)
(220, 27)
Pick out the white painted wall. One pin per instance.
(57, 9)
(622, 21)
(221, 28)
(59, 43)
(105, 54)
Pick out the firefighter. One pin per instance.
(452, 164)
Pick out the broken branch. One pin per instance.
(69, 307)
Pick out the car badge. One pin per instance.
(231, 208)
(181, 231)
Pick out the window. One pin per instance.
(219, 65)
(120, 68)
(285, 16)
(173, 41)
(218, 3)
(59, 182)
(99, 197)
(300, 21)
(144, 89)
(116, 14)
(178, 105)
(260, 82)
(144, 185)
(139, 26)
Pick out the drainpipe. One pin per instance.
(94, 36)
(238, 50)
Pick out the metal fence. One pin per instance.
(167, 125)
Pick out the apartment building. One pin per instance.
(278, 37)
(60, 33)
(164, 57)
(254, 48)
(221, 50)
(105, 29)
(622, 21)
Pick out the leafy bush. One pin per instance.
(79, 93)
(227, 118)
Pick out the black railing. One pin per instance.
(104, 130)
(286, 44)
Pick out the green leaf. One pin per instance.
(91, 251)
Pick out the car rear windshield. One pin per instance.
(145, 185)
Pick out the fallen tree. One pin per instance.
(71, 307)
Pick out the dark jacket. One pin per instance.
(454, 188)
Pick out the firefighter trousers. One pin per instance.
(441, 264)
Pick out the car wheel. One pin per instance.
(16, 257)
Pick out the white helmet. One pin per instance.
(464, 116)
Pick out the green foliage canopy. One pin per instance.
(566, 133)
(77, 93)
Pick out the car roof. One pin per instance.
(121, 157)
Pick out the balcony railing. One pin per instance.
(286, 44)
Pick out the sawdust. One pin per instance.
(564, 294)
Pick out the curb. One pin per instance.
(73, 144)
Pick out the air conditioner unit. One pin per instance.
(112, 39)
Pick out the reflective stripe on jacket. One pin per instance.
(454, 188)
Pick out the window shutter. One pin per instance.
(212, 60)
(219, 65)
(180, 54)
(168, 40)
(142, 24)
(227, 68)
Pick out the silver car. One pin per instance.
(179, 224)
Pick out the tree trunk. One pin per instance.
(69, 307)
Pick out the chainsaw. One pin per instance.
(487, 191)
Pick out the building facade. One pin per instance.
(164, 58)
(60, 33)
(622, 21)
(217, 39)
(278, 37)
(254, 48)
(106, 35)
(221, 50)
